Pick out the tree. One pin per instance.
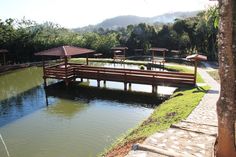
(226, 105)
(141, 36)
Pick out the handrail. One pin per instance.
(138, 72)
(149, 71)
(118, 74)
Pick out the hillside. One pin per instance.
(123, 21)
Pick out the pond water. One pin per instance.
(79, 121)
(162, 90)
(59, 122)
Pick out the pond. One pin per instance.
(78, 121)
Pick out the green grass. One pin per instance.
(215, 75)
(183, 68)
(170, 67)
(107, 60)
(177, 108)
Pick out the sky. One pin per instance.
(78, 13)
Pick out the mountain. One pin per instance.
(170, 17)
(123, 21)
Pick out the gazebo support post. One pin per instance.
(125, 86)
(66, 79)
(4, 59)
(153, 89)
(124, 54)
(153, 57)
(44, 75)
(195, 71)
(164, 56)
(196, 58)
(87, 60)
(130, 86)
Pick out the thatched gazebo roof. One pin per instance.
(4, 51)
(64, 51)
(197, 57)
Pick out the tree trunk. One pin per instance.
(226, 105)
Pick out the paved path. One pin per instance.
(193, 137)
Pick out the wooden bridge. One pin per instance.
(127, 76)
(70, 71)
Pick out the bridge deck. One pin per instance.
(148, 77)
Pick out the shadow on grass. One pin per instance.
(195, 90)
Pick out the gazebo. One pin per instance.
(3, 52)
(138, 50)
(63, 70)
(196, 58)
(119, 53)
(160, 60)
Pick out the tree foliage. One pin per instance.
(24, 37)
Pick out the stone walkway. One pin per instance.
(193, 137)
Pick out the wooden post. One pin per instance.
(152, 57)
(4, 58)
(66, 80)
(125, 86)
(66, 65)
(195, 71)
(45, 81)
(98, 83)
(164, 56)
(153, 89)
(44, 73)
(87, 60)
(46, 96)
(124, 54)
(125, 83)
(104, 84)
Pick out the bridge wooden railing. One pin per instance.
(149, 77)
(134, 76)
(59, 71)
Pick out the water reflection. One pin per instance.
(82, 92)
(78, 121)
(66, 108)
(22, 104)
(19, 81)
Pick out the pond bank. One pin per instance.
(172, 111)
(194, 136)
(178, 107)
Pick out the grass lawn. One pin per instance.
(183, 68)
(108, 60)
(173, 110)
(215, 75)
(177, 108)
(174, 67)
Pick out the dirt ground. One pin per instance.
(123, 150)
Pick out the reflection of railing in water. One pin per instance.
(71, 71)
(87, 93)
(4, 144)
